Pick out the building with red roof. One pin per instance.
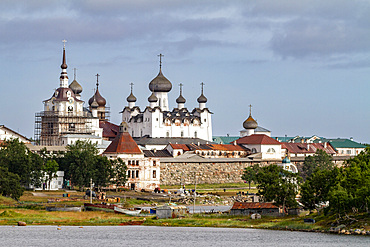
(262, 145)
(142, 172)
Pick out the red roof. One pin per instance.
(253, 205)
(123, 144)
(258, 139)
(110, 130)
(307, 147)
(180, 146)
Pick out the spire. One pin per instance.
(63, 76)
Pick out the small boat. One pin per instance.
(127, 211)
(99, 207)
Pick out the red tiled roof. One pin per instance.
(180, 146)
(227, 147)
(258, 139)
(110, 130)
(123, 144)
(252, 205)
(307, 147)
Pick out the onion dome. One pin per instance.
(286, 160)
(131, 98)
(160, 83)
(202, 98)
(99, 99)
(250, 123)
(76, 87)
(152, 98)
(180, 99)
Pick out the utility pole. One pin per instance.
(90, 190)
(195, 191)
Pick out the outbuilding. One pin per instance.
(170, 211)
(249, 208)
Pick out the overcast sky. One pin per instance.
(303, 65)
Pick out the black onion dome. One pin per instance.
(160, 83)
(202, 99)
(99, 99)
(180, 100)
(76, 87)
(250, 123)
(152, 98)
(131, 98)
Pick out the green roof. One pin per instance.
(342, 143)
(224, 139)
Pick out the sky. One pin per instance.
(304, 66)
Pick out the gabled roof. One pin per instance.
(123, 144)
(252, 205)
(307, 147)
(157, 153)
(15, 133)
(224, 139)
(343, 143)
(180, 146)
(257, 139)
(110, 130)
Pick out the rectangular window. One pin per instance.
(348, 151)
(182, 133)
(154, 163)
(196, 134)
(154, 174)
(128, 173)
(137, 173)
(137, 162)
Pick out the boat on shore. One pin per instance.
(134, 212)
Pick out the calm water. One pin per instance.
(167, 236)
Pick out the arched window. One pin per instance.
(271, 150)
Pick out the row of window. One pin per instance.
(135, 174)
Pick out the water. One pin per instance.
(167, 236)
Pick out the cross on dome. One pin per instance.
(97, 80)
(160, 60)
(64, 43)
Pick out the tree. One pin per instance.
(18, 159)
(103, 171)
(9, 184)
(315, 190)
(119, 172)
(320, 160)
(278, 185)
(78, 163)
(250, 174)
(50, 169)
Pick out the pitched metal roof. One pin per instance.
(307, 147)
(157, 153)
(110, 130)
(225, 139)
(253, 205)
(258, 139)
(343, 143)
(123, 144)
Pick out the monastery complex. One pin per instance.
(161, 145)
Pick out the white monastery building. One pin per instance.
(156, 120)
